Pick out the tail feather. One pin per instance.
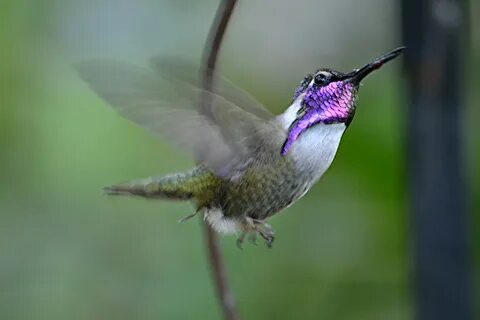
(126, 189)
(180, 186)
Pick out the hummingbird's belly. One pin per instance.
(265, 194)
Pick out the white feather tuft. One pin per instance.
(220, 223)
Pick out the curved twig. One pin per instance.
(210, 54)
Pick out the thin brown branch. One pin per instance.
(219, 273)
(210, 54)
(214, 40)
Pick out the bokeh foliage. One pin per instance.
(68, 252)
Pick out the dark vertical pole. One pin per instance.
(434, 33)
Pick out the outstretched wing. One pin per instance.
(185, 71)
(224, 140)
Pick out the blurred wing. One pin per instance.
(185, 71)
(224, 141)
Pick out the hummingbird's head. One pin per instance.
(329, 96)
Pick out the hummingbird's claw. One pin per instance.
(189, 216)
(240, 240)
(269, 240)
(252, 238)
(265, 231)
(240, 244)
(254, 227)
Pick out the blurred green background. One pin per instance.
(68, 252)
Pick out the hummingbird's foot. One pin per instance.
(265, 231)
(268, 240)
(240, 240)
(189, 216)
(252, 238)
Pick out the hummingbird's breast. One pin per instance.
(315, 149)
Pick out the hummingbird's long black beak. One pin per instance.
(358, 74)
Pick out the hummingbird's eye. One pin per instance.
(321, 79)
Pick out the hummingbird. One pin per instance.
(251, 164)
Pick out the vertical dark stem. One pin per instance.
(215, 36)
(434, 33)
(219, 273)
(211, 51)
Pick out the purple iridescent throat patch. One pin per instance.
(332, 103)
